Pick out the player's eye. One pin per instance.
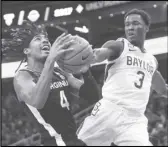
(37, 38)
(136, 23)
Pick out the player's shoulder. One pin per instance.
(121, 39)
(125, 42)
(113, 44)
(59, 72)
(21, 72)
(149, 55)
(19, 80)
(22, 76)
(153, 58)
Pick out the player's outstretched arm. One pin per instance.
(110, 49)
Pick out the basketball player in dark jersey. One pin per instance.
(43, 88)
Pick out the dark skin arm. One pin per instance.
(109, 50)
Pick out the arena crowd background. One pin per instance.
(97, 21)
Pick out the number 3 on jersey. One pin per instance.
(141, 79)
(63, 100)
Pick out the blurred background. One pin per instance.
(97, 21)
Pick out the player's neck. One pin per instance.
(36, 66)
(140, 45)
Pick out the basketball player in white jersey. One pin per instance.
(119, 116)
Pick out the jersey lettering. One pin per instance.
(59, 84)
(136, 62)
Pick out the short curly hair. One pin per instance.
(145, 16)
(22, 36)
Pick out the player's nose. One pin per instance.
(130, 27)
(45, 41)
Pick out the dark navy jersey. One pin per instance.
(55, 116)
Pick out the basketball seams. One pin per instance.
(72, 62)
(73, 65)
(76, 53)
(63, 63)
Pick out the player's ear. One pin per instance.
(26, 51)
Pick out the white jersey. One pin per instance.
(129, 78)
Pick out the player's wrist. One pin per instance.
(84, 69)
(87, 75)
(51, 58)
(100, 55)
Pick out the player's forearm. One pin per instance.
(42, 88)
(109, 49)
(74, 82)
(101, 54)
(89, 90)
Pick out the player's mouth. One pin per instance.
(45, 48)
(131, 34)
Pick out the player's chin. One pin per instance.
(44, 55)
(131, 39)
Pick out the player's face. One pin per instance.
(39, 47)
(135, 29)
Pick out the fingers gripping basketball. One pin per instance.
(81, 54)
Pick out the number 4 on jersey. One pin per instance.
(63, 100)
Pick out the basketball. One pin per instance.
(80, 56)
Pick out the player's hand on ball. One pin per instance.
(81, 41)
(81, 54)
(60, 46)
(99, 55)
(84, 69)
(84, 44)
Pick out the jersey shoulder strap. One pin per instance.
(59, 72)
